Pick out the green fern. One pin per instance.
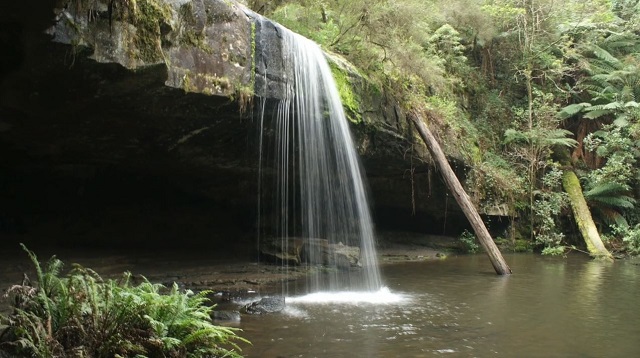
(81, 312)
(608, 201)
(572, 110)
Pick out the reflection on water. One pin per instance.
(550, 307)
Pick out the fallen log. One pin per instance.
(463, 200)
(582, 214)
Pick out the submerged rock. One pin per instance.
(265, 305)
(230, 316)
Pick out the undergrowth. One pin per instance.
(82, 315)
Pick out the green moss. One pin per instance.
(197, 40)
(350, 100)
(244, 96)
(147, 17)
(253, 54)
(188, 35)
(522, 246)
(244, 93)
(582, 216)
(206, 84)
(187, 84)
(515, 245)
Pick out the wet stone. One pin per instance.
(231, 316)
(265, 305)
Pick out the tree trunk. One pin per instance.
(499, 265)
(583, 217)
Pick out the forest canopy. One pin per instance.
(533, 89)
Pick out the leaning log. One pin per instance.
(463, 200)
(582, 214)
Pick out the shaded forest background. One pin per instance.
(527, 90)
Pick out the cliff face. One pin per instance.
(125, 121)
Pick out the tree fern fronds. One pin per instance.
(611, 194)
(610, 216)
(597, 113)
(604, 55)
(572, 110)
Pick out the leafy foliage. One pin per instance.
(630, 237)
(548, 206)
(609, 200)
(469, 241)
(614, 144)
(81, 314)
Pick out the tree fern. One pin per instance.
(604, 55)
(572, 109)
(609, 200)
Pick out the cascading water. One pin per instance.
(316, 195)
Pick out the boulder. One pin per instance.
(265, 305)
(281, 251)
(311, 251)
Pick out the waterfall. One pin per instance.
(315, 190)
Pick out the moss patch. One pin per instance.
(148, 15)
(206, 84)
(350, 100)
(188, 35)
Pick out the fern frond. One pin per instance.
(604, 55)
(623, 202)
(597, 114)
(559, 137)
(572, 109)
(610, 216)
(606, 189)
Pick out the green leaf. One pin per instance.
(604, 55)
(513, 135)
(597, 113)
(572, 109)
(621, 121)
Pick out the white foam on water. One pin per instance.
(381, 297)
(295, 312)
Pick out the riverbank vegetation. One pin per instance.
(529, 89)
(82, 315)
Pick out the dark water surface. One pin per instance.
(458, 307)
